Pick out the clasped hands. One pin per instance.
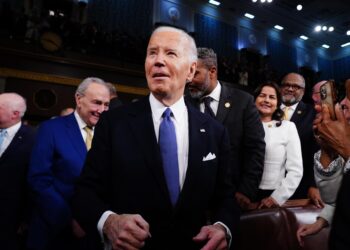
(130, 231)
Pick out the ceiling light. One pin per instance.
(249, 15)
(324, 28)
(263, 1)
(318, 28)
(269, 1)
(345, 44)
(51, 13)
(326, 46)
(213, 2)
(348, 33)
(278, 27)
(331, 28)
(299, 7)
(254, 1)
(304, 37)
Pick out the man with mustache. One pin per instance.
(302, 114)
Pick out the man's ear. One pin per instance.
(190, 75)
(213, 72)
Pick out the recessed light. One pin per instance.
(348, 33)
(331, 29)
(299, 7)
(326, 46)
(249, 15)
(213, 2)
(324, 28)
(345, 44)
(254, 1)
(269, 1)
(263, 1)
(304, 37)
(278, 27)
(318, 28)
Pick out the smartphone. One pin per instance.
(347, 88)
(328, 97)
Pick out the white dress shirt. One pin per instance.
(82, 125)
(291, 109)
(214, 104)
(283, 166)
(10, 134)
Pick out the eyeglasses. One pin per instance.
(292, 86)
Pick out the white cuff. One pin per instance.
(100, 225)
(228, 232)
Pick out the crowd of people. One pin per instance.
(175, 169)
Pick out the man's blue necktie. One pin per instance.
(168, 149)
(2, 136)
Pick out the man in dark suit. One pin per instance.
(57, 159)
(236, 110)
(126, 189)
(302, 114)
(16, 142)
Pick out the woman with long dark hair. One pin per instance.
(283, 167)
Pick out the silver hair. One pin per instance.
(16, 102)
(87, 82)
(207, 57)
(192, 48)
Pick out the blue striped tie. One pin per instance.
(168, 150)
(3, 133)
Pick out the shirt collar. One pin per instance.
(215, 94)
(11, 131)
(293, 107)
(80, 121)
(158, 108)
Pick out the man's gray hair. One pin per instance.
(207, 57)
(87, 82)
(299, 75)
(192, 48)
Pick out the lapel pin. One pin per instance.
(227, 104)
(299, 112)
(202, 130)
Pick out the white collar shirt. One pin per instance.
(180, 120)
(214, 104)
(82, 125)
(291, 109)
(10, 134)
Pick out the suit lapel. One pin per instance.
(298, 113)
(141, 123)
(74, 134)
(17, 139)
(225, 104)
(197, 130)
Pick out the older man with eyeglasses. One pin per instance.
(302, 114)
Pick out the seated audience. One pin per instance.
(283, 167)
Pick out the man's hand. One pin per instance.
(126, 231)
(77, 230)
(268, 202)
(335, 133)
(315, 197)
(214, 235)
(243, 201)
(308, 229)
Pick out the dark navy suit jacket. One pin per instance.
(13, 186)
(123, 173)
(57, 159)
(303, 118)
